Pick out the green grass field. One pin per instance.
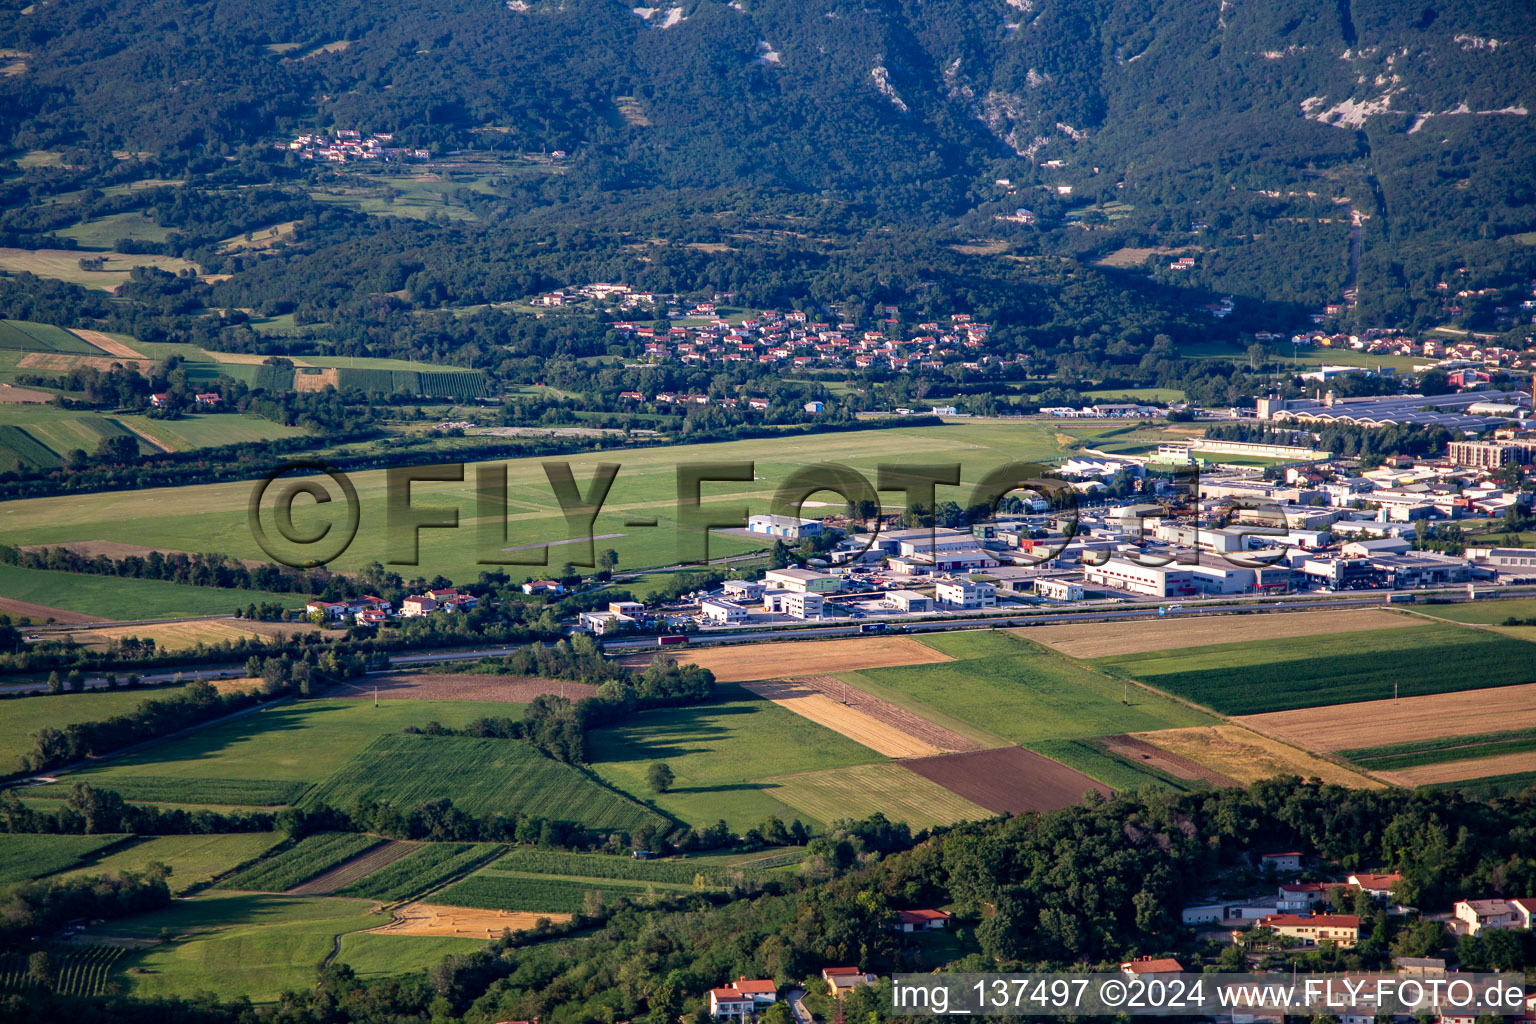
(300, 742)
(24, 856)
(1481, 613)
(1001, 689)
(193, 859)
(28, 336)
(497, 890)
(301, 861)
(528, 860)
(20, 449)
(1278, 675)
(117, 597)
(21, 717)
(1095, 762)
(211, 431)
(483, 777)
(854, 792)
(379, 956)
(421, 870)
(238, 944)
(1493, 786)
(213, 517)
(160, 789)
(720, 752)
(104, 232)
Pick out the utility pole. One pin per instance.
(375, 696)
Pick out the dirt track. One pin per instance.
(1007, 780)
(359, 867)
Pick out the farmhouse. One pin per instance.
(802, 581)
(787, 527)
(1342, 929)
(844, 979)
(545, 588)
(921, 920)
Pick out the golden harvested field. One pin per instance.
(430, 919)
(318, 380)
(1460, 771)
(1377, 723)
(840, 718)
(169, 636)
(66, 362)
(1104, 639)
(1245, 756)
(855, 792)
(108, 344)
(465, 686)
(771, 661)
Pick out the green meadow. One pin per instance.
(193, 859)
(117, 597)
(213, 517)
(721, 754)
(25, 855)
(22, 717)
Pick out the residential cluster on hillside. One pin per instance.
(375, 611)
(344, 145)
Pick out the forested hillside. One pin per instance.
(1302, 152)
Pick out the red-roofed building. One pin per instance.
(1379, 886)
(844, 979)
(921, 920)
(1150, 967)
(729, 1004)
(762, 991)
(1288, 861)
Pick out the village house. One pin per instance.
(921, 920)
(845, 979)
(1340, 929)
(1473, 916)
(417, 605)
(1150, 968)
(1378, 887)
(544, 588)
(1288, 861)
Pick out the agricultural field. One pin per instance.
(432, 919)
(468, 686)
(423, 869)
(194, 860)
(376, 955)
(159, 789)
(496, 890)
(209, 430)
(1484, 613)
(236, 944)
(63, 431)
(1246, 756)
(1118, 771)
(675, 871)
(891, 788)
(20, 450)
(355, 868)
(483, 777)
(105, 232)
(213, 517)
(1380, 723)
(1007, 780)
(1001, 690)
(1477, 766)
(292, 742)
(79, 970)
(792, 658)
(120, 598)
(21, 717)
(1089, 640)
(171, 636)
(1276, 675)
(300, 862)
(24, 856)
(719, 753)
(866, 730)
(1445, 748)
(29, 336)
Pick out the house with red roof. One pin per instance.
(845, 979)
(1152, 967)
(921, 920)
(1341, 929)
(1377, 886)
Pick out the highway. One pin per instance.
(1372, 599)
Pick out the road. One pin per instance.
(1371, 599)
(797, 1008)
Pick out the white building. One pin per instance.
(802, 581)
(1059, 590)
(784, 527)
(964, 594)
(1149, 581)
(908, 601)
(720, 612)
(743, 590)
